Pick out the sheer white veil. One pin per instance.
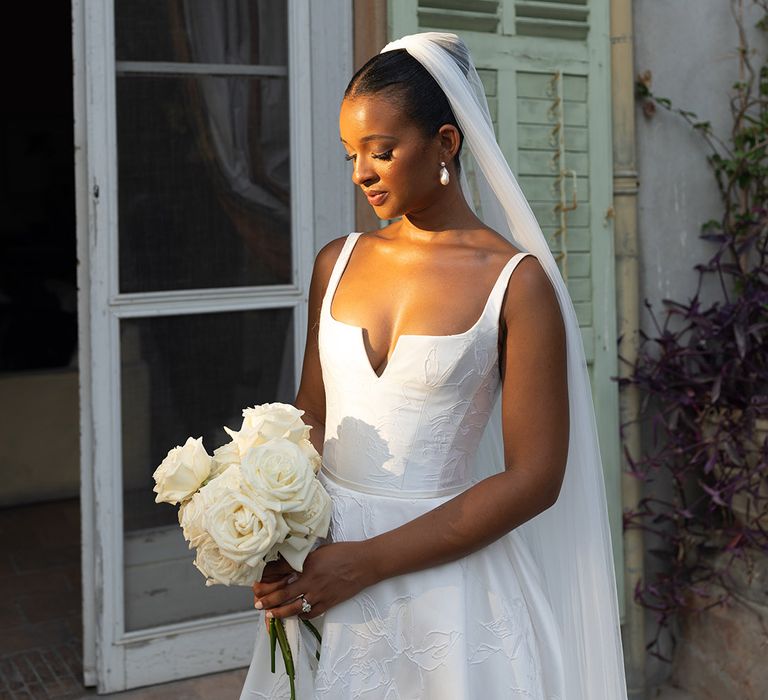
(571, 541)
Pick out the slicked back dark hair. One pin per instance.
(417, 93)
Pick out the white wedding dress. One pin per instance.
(396, 446)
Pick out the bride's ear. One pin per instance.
(450, 140)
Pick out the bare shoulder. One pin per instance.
(531, 296)
(326, 258)
(492, 243)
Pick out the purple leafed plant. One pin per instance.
(703, 378)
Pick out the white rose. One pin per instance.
(312, 454)
(182, 472)
(267, 421)
(192, 512)
(279, 474)
(244, 530)
(223, 458)
(191, 520)
(316, 518)
(244, 439)
(274, 420)
(219, 568)
(306, 526)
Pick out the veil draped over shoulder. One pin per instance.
(571, 541)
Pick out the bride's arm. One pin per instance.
(535, 422)
(311, 394)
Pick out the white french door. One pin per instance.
(206, 183)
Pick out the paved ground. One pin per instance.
(40, 607)
(41, 617)
(667, 692)
(218, 686)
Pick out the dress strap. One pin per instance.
(338, 269)
(500, 287)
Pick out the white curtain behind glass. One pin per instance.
(221, 32)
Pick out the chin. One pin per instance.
(384, 213)
(388, 211)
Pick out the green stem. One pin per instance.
(314, 631)
(272, 643)
(285, 647)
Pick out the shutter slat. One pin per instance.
(530, 162)
(477, 6)
(556, 29)
(563, 19)
(544, 188)
(538, 112)
(584, 315)
(552, 10)
(547, 217)
(538, 85)
(460, 15)
(533, 136)
(578, 239)
(579, 288)
(459, 20)
(488, 79)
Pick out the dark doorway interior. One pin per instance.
(40, 591)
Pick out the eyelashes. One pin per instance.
(387, 155)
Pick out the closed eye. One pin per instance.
(387, 155)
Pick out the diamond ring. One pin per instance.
(305, 605)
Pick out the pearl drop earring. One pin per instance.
(445, 176)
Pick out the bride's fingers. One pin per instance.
(287, 610)
(283, 594)
(260, 588)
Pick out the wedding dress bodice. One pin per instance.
(413, 430)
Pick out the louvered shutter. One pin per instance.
(545, 68)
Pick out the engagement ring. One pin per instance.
(305, 605)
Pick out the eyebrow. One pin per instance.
(373, 137)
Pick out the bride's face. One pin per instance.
(390, 155)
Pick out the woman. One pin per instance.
(469, 554)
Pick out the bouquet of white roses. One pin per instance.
(257, 497)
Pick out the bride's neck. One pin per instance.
(449, 212)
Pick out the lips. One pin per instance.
(376, 197)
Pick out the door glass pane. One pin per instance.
(203, 161)
(187, 376)
(186, 31)
(204, 195)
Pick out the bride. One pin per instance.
(469, 554)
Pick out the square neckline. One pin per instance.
(338, 273)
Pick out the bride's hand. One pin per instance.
(332, 573)
(275, 576)
(274, 571)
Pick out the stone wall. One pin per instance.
(690, 49)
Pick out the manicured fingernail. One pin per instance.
(292, 578)
(269, 613)
(258, 604)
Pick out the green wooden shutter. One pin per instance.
(545, 66)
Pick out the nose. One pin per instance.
(363, 173)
